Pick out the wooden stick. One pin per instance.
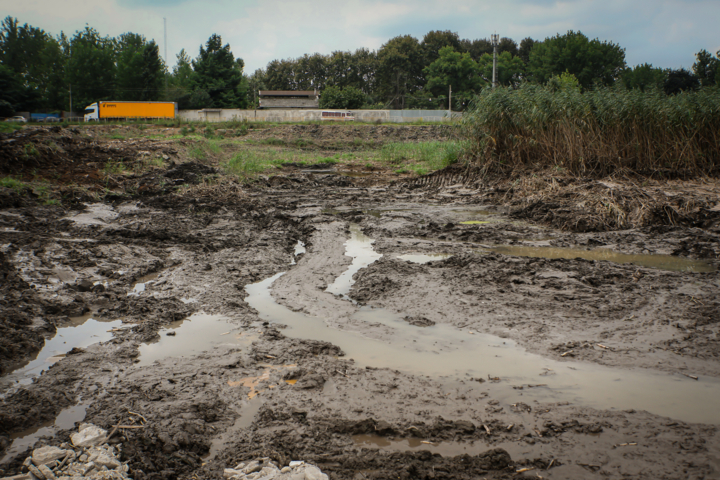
(568, 353)
(133, 413)
(690, 376)
(129, 426)
(486, 429)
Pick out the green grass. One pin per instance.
(8, 127)
(113, 168)
(423, 157)
(13, 183)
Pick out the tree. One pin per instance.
(342, 98)
(508, 45)
(591, 61)
(13, 93)
(400, 69)
(434, 40)
(643, 77)
(510, 70)
(456, 69)
(217, 73)
(256, 82)
(90, 68)
(706, 67)
(526, 46)
(563, 83)
(476, 48)
(680, 81)
(180, 81)
(280, 75)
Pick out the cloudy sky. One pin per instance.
(665, 33)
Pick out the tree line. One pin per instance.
(42, 72)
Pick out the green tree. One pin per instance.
(180, 81)
(643, 77)
(400, 69)
(280, 75)
(591, 61)
(434, 40)
(456, 69)
(526, 46)
(680, 81)
(90, 68)
(13, 94)
(476, 48)
(140, 71)
(508, 45)
(342, 98)
(706, 67)
(564, 82)
(510, 70)
(219, 75)
(256, 82)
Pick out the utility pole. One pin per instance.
(494, 39)
(166, 59)
(450, 104)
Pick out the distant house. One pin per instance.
(289, 99)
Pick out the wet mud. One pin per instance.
(417, 329)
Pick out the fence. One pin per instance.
(299, 115)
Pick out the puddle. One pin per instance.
(198, 333)
(82, 332)
(140, 285)
(299, 250)
(358, 246)
(65, 420)
(424, 258)
(247, 415)
(661, 262)
(443, 350)
(94, 214)
(446, 449)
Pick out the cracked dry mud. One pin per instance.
(230, 342)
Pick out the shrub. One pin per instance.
(597, 132)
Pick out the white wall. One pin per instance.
(300, 115)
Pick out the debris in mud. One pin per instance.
(90, 458)
(264, 469)
(419, 321)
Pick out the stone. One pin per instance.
(230, 472)
(252, 467)
(36, 472)
(89, 437)
(296, 463)
(286, 470)
(45, 455)
(106, 461)
(47, 473)
(314, 473)
(84, 285)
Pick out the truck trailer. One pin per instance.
(130, 111)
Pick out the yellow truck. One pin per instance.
(130, 110)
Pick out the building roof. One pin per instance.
(287, 93)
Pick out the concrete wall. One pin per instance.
(295, 115)
(280, 102)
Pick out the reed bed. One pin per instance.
(596, 133)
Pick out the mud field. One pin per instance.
(378, 325)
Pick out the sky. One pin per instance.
(665, 33)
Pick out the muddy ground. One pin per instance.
(266, 390)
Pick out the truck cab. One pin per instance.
(92, 112)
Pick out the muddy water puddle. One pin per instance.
(196, 334)
(359, 247)
(446, 449)
(424, 257)
(65, 420)
(661, 262)
(141, 284)
(80, 333)
(446, 351)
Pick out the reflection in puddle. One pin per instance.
(198, 333)
(246, 416)
(299, 250)
(424, 258)
(446, 449)
(358, 246)
(444, 350)
(65, 420)
(662, 262)
(82, 332)
(141, 283)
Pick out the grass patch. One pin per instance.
(277, 142)
(421, 158)
(8, 127)
(12, 183)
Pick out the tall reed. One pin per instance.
(595, 133)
